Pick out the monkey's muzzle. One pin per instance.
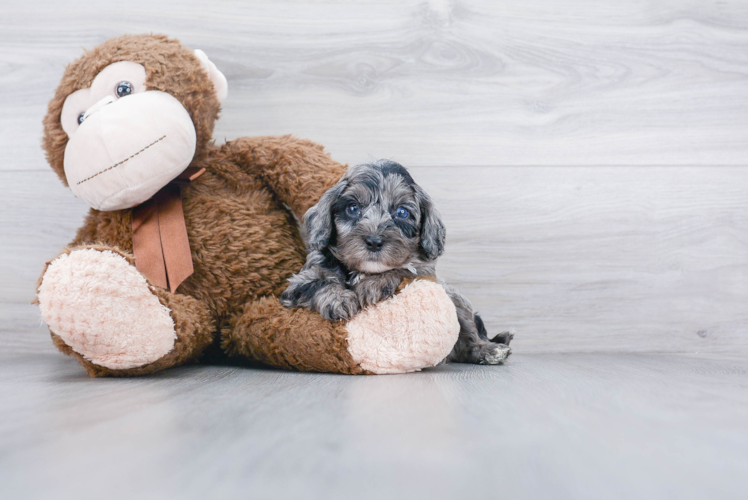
(126, 150)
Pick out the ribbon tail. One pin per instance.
(177, 256)
(159, 235)
(146, 243)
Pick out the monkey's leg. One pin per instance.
(415, 329)
(101, 310)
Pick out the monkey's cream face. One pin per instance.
(126, 142)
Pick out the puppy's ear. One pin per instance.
(318, 220)
(433, 232)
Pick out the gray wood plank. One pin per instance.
(600, 258)
(428, 83)
(610, 251)
(38, 216)
(578, 426)
(570, 258)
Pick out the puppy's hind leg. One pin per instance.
(473, 344)
(499, 338)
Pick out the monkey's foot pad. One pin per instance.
(414, 329)
(104, 309)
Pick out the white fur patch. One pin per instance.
(374, 267)
(413, 330)
(102, 307)
(498, 356)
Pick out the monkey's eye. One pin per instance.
(402, 212)
(81, 117)
(353, 210)
(123, 88)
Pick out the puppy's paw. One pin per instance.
(300, 293)
(376, 288)
(292, 296)
(494, 354)
(342, 306)
(479, 352)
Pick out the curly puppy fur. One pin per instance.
(369, 232)
(244, 240)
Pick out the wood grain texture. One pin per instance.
(577, 426)
(600, 258)
(428, 82)
(573, 259)
(589, 160)
(38, 216)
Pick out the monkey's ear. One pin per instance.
(433, 232)
(318, 220)
(218, 79)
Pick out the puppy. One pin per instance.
(375, 227)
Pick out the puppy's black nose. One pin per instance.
(374, 243)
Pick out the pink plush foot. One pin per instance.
(412, 330)
(103, 308)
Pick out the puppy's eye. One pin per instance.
(353, 210)
(81, 117)
(402, 213)
(123, 89)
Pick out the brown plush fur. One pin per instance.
(269, 332)
(266, 330)
(245, 242)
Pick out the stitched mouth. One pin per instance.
(121, 162)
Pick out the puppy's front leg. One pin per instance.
(336, 303)
(373, 288)
(322, 290)
(473, 344)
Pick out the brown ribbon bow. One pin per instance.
(159, 235)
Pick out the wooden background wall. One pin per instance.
(588, 157)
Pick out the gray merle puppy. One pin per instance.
(375, 227)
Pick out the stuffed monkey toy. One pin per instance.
(189, 244)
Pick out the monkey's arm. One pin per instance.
(415, 329)
(297, 170)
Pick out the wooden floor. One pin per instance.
(590, 160)
(561, 426)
